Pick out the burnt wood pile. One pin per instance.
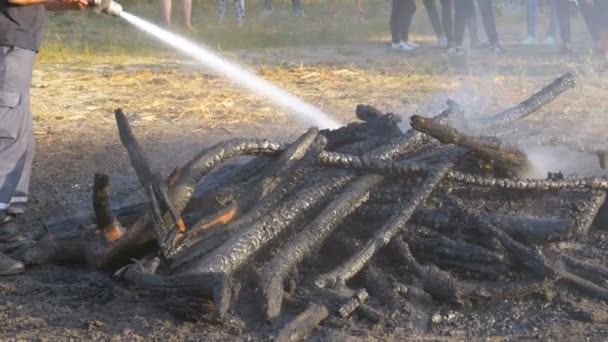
(346, 222)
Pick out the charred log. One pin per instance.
(310, 238)
(106, 221)
(488, 150)
(339, 276)
(530, 105)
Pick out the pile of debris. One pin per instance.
(348, 221)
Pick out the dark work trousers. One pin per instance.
(17, 145)
(402, 12)
(596, 18)
(443, 26)
(563, 17)
(489, 20)
(463, 12)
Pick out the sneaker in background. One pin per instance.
(529, 41)
(455, 50)
(401, 46)
(411, 44)
(497, 48)
(550, 41)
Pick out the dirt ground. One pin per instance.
(177, 108)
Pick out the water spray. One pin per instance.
(213, 61)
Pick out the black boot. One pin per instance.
(9, 266)
(12, 242)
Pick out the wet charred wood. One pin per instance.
(234, 252)
(441, 285)
(292, 159)
(590, 183)
(310, 238)
(355, 263)
(541, 98)
(224, 180)
(577, 264)
(412, 140)
(326, 301)
(529, 230)
(487, 149)
(214, 289)
(214, 238)
(376, 124)
(363, 163)
(587, 212)
(364, 146)
(541, 264)
(160, 204)
(186, 178)
(443, 251)
(304, 324)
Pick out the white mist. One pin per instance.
(305, 111)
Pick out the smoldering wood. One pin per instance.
(590, 183)
(310, 238)
(304, 324)
(444, 251)
(235, 251)
(181, 290)
(487, 149)
(270, 177)
(106, 221)
(538, 100)
(343, 303)
(325, 206)
(412, 140)
(152, 183)
(397, 222)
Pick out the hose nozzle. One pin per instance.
(106, 6)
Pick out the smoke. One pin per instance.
(576, 155)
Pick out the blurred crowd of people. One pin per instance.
(451, 19)
(460, 16)
(239, 9)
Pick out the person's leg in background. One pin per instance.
(396, 23)
(222, 9)
(447, 22)
(531, 16)
(602, 7)
(463, 10)
(167, 11)
(268, 5)
(360, 9)
(433, 14)
(563, 15)
(239, 12)
(553, 22)
(471, 26)
(188, 13)
(410, 9)
(591, 17)
(296, 6)
(489, 22)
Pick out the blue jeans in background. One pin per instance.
(532, 13)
